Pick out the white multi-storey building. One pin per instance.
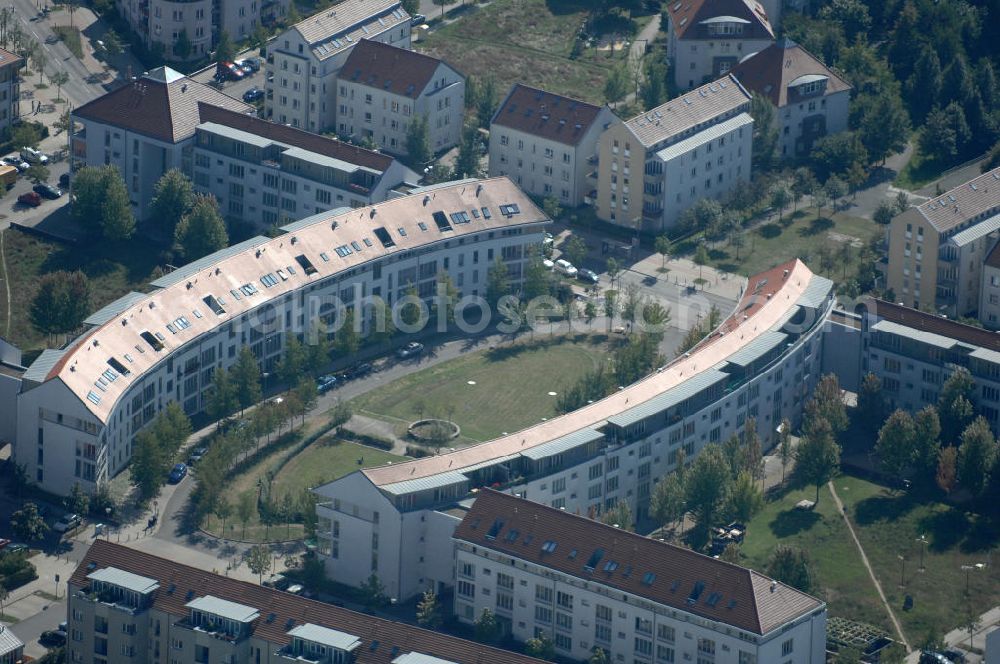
(10, 88)
(547, 143)
(659, 163)
(706, 38)
(80, 407)
(395, 521)
(126, 605)
(381, 88)
(810, 98)
(305, 59)
(145, 128)
(588, 585)
(265, 174)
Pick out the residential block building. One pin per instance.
(396, 521)
(587, 585)
(810, 98)
(306, 58)
(937, 249)
(11, 65)
(381, 88)
(11, 647)
(145, 128)
(127, 605)
(989, 290)
(81, 406)
(547, 143)
(706, 38)
(914, 353)
(265, 174)
(656, 165)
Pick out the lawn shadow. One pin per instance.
(718, 254)
(883, 507)
(769, 231)
(947, 528)
(817, 226)
(792, 522)
(558, 7)
(732, 268)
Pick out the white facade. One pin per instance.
(10, 88)
(584, 470)
(77, 405)
(989, 291)
(579, 614)
(306, 58)
(809, 118)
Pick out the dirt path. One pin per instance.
(6, 281)
(871, 572)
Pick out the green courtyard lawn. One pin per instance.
(325, 460)
(526, 41)
(772, 244)
(889, 524)
(510, 391)
(113, 269)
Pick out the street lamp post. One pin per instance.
(968, 569)
(922, 541)
(107, 525)
(902, 570)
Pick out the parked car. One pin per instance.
(411, 349)
(295, 589)
(548, 264)
(67, 522)
(15, 548)
(358, 370)
(31, 155)
(930, 657)
(249, 65)
(252, 95)
(325, 383)
(64, 180)
(955, 656)
(52, 638)
(279, 581)
(16, 161)
(418, 19)
(197, 455)
(587, 276)
(563, 266)
(30, 198)
(177, 473)
(228, 71)
(46, 190)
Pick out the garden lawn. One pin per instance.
(771, 244)
(526, 41)
(114, 269)
(888, 525)
(839, 575)
(510, 391)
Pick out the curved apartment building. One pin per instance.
(397, 521)
(80, 407)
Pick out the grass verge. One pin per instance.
(487, 393)
(71, 37)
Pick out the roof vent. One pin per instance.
(294, 239)
(124, 322)
(96, 343)
(189, 285)
(334, 225)
(258, 253)
(427, 199)
(774, 586)
(371, 215)
(479, 188)
(184, 87)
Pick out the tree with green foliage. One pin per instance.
(292, 363)
(790, 566)
(923, 87)
(28, 524)
(701, 259)
(487, 628)
(173, 197)
(418, 142)
(202, 230)
(938, 139)
(785, 451)
(59, 79)
(245, 509)
(955, 404)
(225, 51)
(613, 268)
(706, 486)
(619, 515)
(611, 306)
(259, 561)
(884, 213)
(246, 378)
(221, 396)
(429, 611)
(78, 501)
(113, 43)
(827, 403)
(895, 443)
(88, 194)
(871, 402)
(497, 282)
(540, 646)
(25, 135)
(117, 219)
(654, 86)
(946, 475)
(616, 86)
(837, 154)
(37, 172)
(576, 250)
(976, 456)
(926, 442)
(182, 47)
(883, 124)
(745, 499)
(669, 501)
(149, 464)
(765, 132)
(662, 246)
(817, 457)
(598, 656)
(347, 339)
(222, 511)
(487, 100)
(780, 198)
(467, 161)
(537, 279)
(836, 189)
(61, 303)
(851, 15)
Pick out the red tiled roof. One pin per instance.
(7, 58)
(545, 114)
(684, 14)
(329, 147)
(925, 322)
(382, 640)
(162, 104)
(385, 67)
(769, 72)
(660, 572)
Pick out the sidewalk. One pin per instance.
(959, 638)
(37, 596)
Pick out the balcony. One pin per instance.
(211, 631)
(359, 188)
(109, 601)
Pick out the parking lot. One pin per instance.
(234, 89)
(24, 185)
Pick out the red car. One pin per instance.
(30, 199)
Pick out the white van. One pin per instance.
(563, 266)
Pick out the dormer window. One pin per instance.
(809, 85)
(220, 616)
(322, 644)
(115, 586)
(725, 26)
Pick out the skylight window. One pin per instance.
(595, 558)
(475, 213)
(357, 247)
(269, 280)
(129, 357)
(382, 235)
(422, 225)
(118, 366)
(291, 270)
(344, 251)
(572, 555)
(610, 566)
(510, 210)
(214, 304)
(512, 535)
(460, 217)
(648, 578)
(441, 221)
(197, 314)
(93, 398)
(402, 231)
(159, 335)
(101, 384)
(713, 599)
(325, 256)
(367, 242)
(699, 588)
(549, 546)
(154, 342)
(486, 213)
(282, 274)
(171, 328)
(495, 529)
(236, 294)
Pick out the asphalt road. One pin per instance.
(11, 210)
